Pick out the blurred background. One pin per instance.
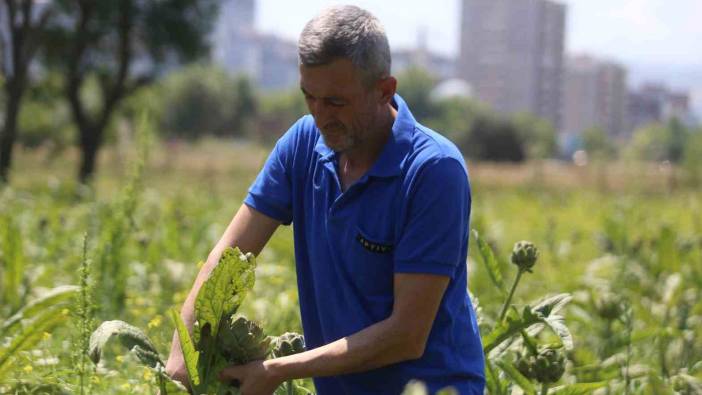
(508, 81)
(131, 130)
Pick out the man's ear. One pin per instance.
(387, 87)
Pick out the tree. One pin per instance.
(203, 100)
(24, 20)
(415, 85)
(538, 134)
(597, 144)
(121, 46)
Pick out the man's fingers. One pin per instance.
(229, 374)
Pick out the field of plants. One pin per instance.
(610, 304)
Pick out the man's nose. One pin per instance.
(320, 111)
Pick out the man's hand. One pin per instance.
(249, 230)
(254, 378)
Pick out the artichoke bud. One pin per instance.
(288, 343)
(546, 367)
(524, 255)
(243, 341)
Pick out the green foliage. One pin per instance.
(277, 111)
(415, 85)
(597, 144)
(204, 100)
(660, 142)
(44, 117)
(489, 261)
(692, 158)
(12, 263)
(117, 225)
(26, 327)
(539, 135)
(634, 278)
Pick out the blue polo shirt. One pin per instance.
(408, 214)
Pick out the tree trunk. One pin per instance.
(90, 141)
(9, 132)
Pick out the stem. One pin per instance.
(162, 385)
(511, 293)
(528, 343)
(290, 387)
(544, 388)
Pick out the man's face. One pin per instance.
(344, 109)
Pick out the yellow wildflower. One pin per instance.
(155, 322)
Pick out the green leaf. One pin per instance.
(190, 355)
(492, 380)
(549, 305)
(558, 326)
(491, 264)
(30, 334)
(224, 290)
(51, 299)
(131, 338)
(510, 370)
(577, 389)
(512, 325)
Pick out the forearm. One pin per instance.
(378, 345)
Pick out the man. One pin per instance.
(381, 207)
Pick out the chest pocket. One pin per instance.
(370, 260)
(371, 240)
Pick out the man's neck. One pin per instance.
(363, 157)
(353, 164)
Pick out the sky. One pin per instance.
(659, 39)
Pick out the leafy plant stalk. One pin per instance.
(84, 316)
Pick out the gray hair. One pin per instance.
(346, 32)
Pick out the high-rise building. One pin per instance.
(270, 61)
(512, 54)
(655, 102)
(594, 96)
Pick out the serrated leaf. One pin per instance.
(491, 264)
(190, 355)
(510, 370)
(577, 389)
(129, 336)
(224, 290)
(552, 304)
(558, 326)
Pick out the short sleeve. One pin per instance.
(271, 192)
(435, 234)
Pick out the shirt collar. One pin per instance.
(393, 153)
